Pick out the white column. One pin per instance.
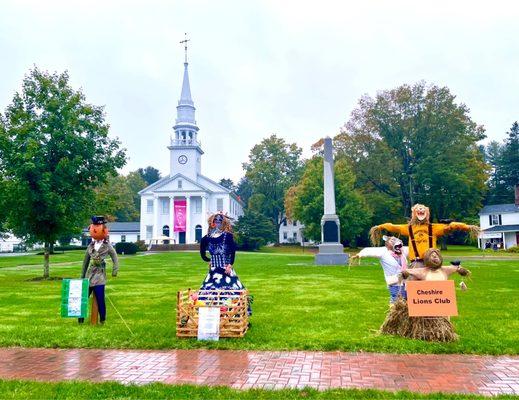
(188, 219)
(171, 217)
(329, 187)
(155, 216)
(204, 215)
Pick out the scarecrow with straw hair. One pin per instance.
(219, 241)
(421, 232)
(435, 329)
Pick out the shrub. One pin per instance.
(126, 248)
(253, 230)
(513, 249)
(141, 244)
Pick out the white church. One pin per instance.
(177, 206)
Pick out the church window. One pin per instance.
(285, 223)
(197, 205)
(219, 204)
(285, 235)
(149, 206)
(164, 203)
(138, 237)
(179, 184)
(294, 235)
(294, 223)
(123, 238)
(149, 231)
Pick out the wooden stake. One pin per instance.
(94, 310)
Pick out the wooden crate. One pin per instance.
(234, 318)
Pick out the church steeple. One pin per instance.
(185, 95)
(186, 107)
(185, 140)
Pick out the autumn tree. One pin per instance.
(416, 144)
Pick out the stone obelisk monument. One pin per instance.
(331, 251)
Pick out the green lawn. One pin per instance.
(297, 305)
(34, 259)
(84, 390)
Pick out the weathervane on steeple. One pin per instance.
(184, 42)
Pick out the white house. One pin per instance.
(291, 232)
(10, 243)
(178, 205)
(500, 224)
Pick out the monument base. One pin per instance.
(331, 254)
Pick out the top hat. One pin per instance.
(98, 220)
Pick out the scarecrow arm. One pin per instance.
(376, 252)
(203, 249)
(451, 269)
(115, 260)
(473, 230)
(375, 232)
(417, 273)
(86, 261)
(231, 247)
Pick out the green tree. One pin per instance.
(510, 158)
(149, 174)
(416, 144)
(504, 161)
(254, 230)
(136, 183)
(273, 167)
(497, 189)
(244, 190)
(228, 184)
(115, 200)
(305, 201)
(54, 150)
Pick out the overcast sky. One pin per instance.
(293, 68)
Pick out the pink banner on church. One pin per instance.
(179, 215)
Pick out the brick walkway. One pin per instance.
(269, 369)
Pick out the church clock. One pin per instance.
(182, 159)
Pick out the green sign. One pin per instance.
(74, 298)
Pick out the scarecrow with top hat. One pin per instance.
(94, 265)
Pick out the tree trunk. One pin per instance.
(46, 256)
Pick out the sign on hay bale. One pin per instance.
(431, 299)
(234, 318)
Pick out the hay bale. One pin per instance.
(432, 329)
(397, 318)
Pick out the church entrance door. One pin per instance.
(182, 237)
(198, 233)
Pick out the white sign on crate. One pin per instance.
(209, 323)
